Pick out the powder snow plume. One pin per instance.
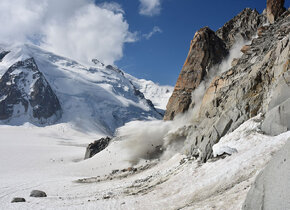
(162, 139)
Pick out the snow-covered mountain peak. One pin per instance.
(93, 98)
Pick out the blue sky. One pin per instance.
(161, 57)
(119, 31)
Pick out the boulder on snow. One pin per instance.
(38, 194)
(275, 9)
(18, 200)
(97, 147)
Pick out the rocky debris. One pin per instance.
(234, 62)
(97, 146)
(108, 195)
(3, 54)
(130, 169)
(23, 89)
(275, 8)
(110, 67)
(262, 30)
(206, 50)
(259, 83)
(271, 188)
(242, 27)
(245, 49)
(224, 150)
(38, 194)
(18, 200)
(97, 62)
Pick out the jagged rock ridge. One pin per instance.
(24, 90)
(206, 50)
(249, 88)
(257, 83)
(242, 27)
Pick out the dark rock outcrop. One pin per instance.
(206, 50)
(242, 27)
(18, 200)
(97, 146)
(23, 89)
(3, 54)
(38, 194)
(275, 9)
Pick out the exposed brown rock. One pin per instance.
(262, 30)
(235, 61)
(206, 50)
(275, 9)
(245, 48)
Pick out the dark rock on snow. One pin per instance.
(18, 200)
(38, 194)
(3, 54)
(97, 147)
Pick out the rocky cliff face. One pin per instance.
(206, 50)
(242, 27)
(275, 9)
(258, 82)
(24, 90)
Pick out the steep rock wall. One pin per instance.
(206, 50)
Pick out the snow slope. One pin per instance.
(50, 159)
(158, 94)
(92, 97)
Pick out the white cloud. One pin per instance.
(155, 30)
(78, 29)
(113, 6)
(150, 7)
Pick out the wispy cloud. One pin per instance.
(112, 6)
(155, 30)
(150, 7)
(78, 29)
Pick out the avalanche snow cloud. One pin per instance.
(78, 29)
(151, 139)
